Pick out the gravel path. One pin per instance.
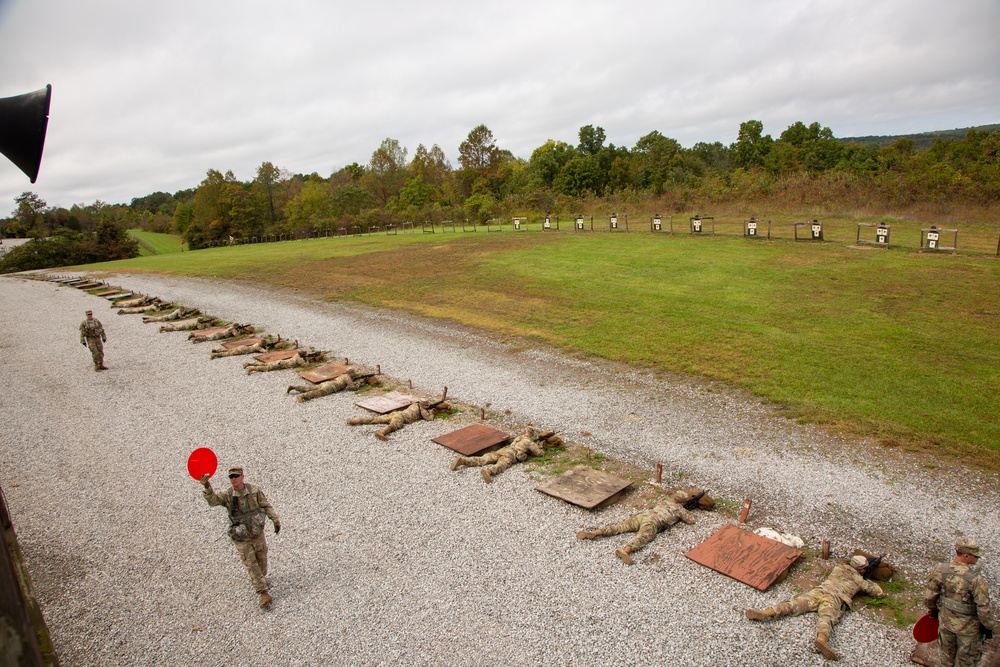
(385, 556)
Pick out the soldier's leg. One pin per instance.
(300, 388)
(475, 461)
(629, 525)
(504, 461)
(648, 529)
(829, 611)
(396, 422)
(969, 649)
(373, 419)
(248, 555)
(947, 646)
(260, 552)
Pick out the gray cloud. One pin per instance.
(149, 98)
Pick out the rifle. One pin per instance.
(873, 563)
(429, 406)
(692, 502)
(356, 378)
(544, 436)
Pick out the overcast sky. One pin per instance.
(148, 96)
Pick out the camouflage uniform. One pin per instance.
(169, 317)
(339, 383)
(829, 600)
(229, 332)
(247, 510)
(958, 592)
(92, 335)
(503, 458)
(200, 323)
(264, 367)
(394, 420)
(647, 524)
(237, 351)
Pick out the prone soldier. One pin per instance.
(340, 383)
(397, 419)
(523, 446)
(301, 358)
(176, 314)
(957, 594)
(200, 323)
(232, 331)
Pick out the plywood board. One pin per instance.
(756, 561)
(394, 400)
(233, 344)
(585, 487)
(88, 285)
(473, 440)
(106, 292)
(323, 373)
(277, 355)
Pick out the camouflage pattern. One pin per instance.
(135, 310)
(200, 323)
(247, 510)
(395, 420)
(230, 332)
(646, 525)
(169, 317)
(132, 303)
(236, 351)
(959, 593)
(502, 459)
(339, 383)
(268, 366)
(92, 334)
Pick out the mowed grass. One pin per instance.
(161, 244)
(891, 343)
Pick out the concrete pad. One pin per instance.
(754, 560)
(473, 440)
(585, 487)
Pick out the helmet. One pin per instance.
(858, 562)
(967, 545)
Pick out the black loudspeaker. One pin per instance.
(23, 120)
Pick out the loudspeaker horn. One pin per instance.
(23, 120)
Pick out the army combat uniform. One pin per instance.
(494, 463)
(646, 525)
(92, 335)
(247, 511)
(267, 366)
(339, 383)
(829, 600)
(236, 351)
(959, 594)
(394, 420)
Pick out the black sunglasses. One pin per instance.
(234, 476)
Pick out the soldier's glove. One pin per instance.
(277, 528)
(933, 613)
(83, 343)
(204, 480)
(986, 633)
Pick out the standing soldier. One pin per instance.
(92, 335)
(247, 506)
(958, 596)
(829, 600)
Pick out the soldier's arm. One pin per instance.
(265, 505)
(873, 589)
(932, 589)
(212, 498)
(686, 517)
(984, 608)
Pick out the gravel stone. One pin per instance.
(385, 556)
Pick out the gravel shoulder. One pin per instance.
(385, 556)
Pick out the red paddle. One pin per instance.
(202, 461)
(926, 629)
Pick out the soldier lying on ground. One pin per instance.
(339, 383)
(179, 313)
(646, 525)
(232, 331)
(132, 303)
(494, 463)
(200, 323)
(301, 358)
(829, 600)
(267, 343)
(397, 419)
(142, 308)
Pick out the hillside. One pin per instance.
(921, 140)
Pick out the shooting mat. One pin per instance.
(473, 440)
(240, 342)
(585, 487)
(756, 561)
(323, 373)
(277, 355)
(387, 402)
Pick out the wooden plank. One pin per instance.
(473, 440)
(585, 487)
(277, 355)
(88, 285)
(209, 332)
(323, 373)
(394, 400)
(106, 292)
(240, 342)
(117, 295)
(745, 556)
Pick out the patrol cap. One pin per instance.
(88, 312)
(858, 562)
(680, 497)
(967, 545)
(238, 470)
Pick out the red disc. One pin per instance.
(926, 629)
(202, 461)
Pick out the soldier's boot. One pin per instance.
(289, 390)
(623, 553)
(457, 462)
(354, 421)
(487, 477)
(381, 435)
(301, 399)
(103, 368)
(265, 599)
(823, 646)
(760, 614)
(588, 534)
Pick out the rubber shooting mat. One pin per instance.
(473, 440)
(745, 556)
(323, 373)
(394, 400)
(585, 487)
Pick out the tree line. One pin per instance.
(805, 166)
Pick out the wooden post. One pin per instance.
(378, 369)
(410, 383)
(445, 394)
(588, 453)
(659, 472)
(825, 555)
(746, 510)
(347, 362)
(482, 414)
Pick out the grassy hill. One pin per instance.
(888, 343)
(151, 243)
(921, 140)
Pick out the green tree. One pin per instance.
(591, 140)
(386, 173)
(752, 145)
(479, 150)
(657, 157)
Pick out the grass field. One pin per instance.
(151, 243)
(893, 343)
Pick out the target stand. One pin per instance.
(615, 224)
(702, 226)
(815, 231)
(752, 229)
(581, 224)
(389, 402)
(494, 225)
(550, 224)
(656, 224)
(931, 239)
(745, 556)
(519, 224)
(473, 440)
(468, 227)
(585, 487)
(881, 238)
